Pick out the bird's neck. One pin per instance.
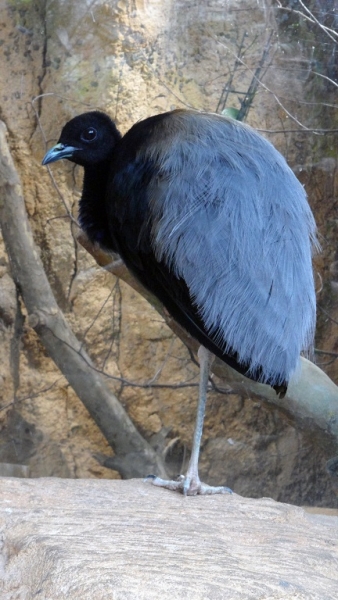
(92, 207)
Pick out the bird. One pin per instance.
(208, 216)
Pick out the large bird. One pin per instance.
(208, 216)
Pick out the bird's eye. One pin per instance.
(89, 134)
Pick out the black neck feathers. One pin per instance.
(92, 207)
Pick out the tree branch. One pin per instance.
(135, 457)
(312, 398)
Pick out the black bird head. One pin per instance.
(88, 139)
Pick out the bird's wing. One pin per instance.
(229, 217)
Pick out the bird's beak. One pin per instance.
(57, 152)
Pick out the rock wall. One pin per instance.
(134, 58)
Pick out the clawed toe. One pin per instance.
(188, 486)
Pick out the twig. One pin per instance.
(320, 25)
(306, 18)
(265, 87)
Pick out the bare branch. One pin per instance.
(311, 19)
(135, 455)
(314, 20)
(312, 398)
(327, 314)
(265, 87)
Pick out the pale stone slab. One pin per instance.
(123, 540)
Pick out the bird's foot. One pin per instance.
(188, 486)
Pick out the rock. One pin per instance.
(13, 470)
(104, 540)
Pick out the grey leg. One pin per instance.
(190, 485)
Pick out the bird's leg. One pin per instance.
(192, 480)
(190, 484)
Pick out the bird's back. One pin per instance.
(210, 218)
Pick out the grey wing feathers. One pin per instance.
(231, 219)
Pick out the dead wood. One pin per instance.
(135, 457)
(312, 398)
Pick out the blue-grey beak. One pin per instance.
(57, 152)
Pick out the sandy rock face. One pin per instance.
(134, 59)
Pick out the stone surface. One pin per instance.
(100, 540)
